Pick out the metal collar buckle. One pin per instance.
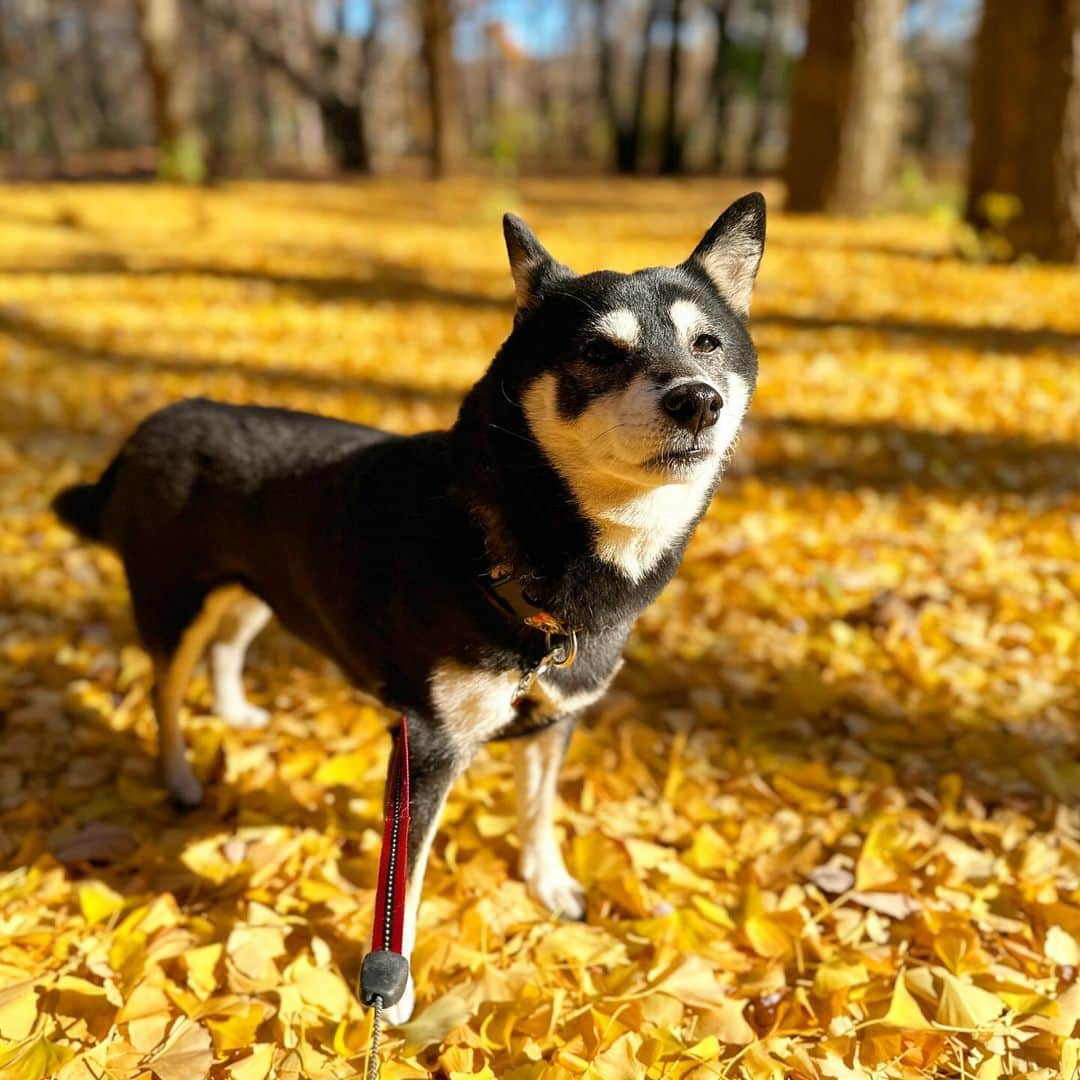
(506, 592)
(560, 652)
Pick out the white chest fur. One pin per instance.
(473, 705)
(632, 533)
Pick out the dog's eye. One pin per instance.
(705, 343)
(599, 351)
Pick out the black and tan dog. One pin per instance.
(481, 580)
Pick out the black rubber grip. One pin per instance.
(384, 975)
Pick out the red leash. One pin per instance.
(390, 893)
(385, 971)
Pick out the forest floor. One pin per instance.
(826, 818)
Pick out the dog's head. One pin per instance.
(641, 377)
(633, 384)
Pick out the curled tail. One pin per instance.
(81, 506)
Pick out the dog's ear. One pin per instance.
(730, 252)
(531, 266)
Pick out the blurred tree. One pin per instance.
(443, 86)
(845, 108)
(171, 90)
(329, 72)
(674, 136)
(770, 114)
(1024, 167)
(627, 130)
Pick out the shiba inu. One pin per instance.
(481, 580)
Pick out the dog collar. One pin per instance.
(505, 591)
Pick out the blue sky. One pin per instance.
(541, 26)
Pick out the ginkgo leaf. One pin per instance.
(36, 1058)
(964, 1005)
(18, 1010)
(98, 901)
(904, 1011)
(185, 1054)
(433, 1022)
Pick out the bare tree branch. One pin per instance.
(306, 80)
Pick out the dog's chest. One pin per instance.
(474, 705)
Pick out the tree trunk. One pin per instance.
(1025, 143)
(179, 149)
(772, 91)
(719, 92)
(443, 87)
(671, 161)
(845, 109)
(626, 135)
(343, 123)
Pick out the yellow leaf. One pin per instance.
(38, 1058)
(18, 1010)
(256, 1066)
(904, 1011)
(237, 1030)
(321, 988)
(838, 976)
(1062, 947)
(251, 951)
(693, 983)
(619, 1061)
(766, 936)
(964, 1005)
(432, 1024)
(201, 967)
(880, 856)
(97, 901)
(185, 1054)
(344, 770)
(709, 851)
(728, 1023)
(146, 1013)
(713, 912)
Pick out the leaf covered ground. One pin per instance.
(827, 816)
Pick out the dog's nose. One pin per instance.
(693, 406)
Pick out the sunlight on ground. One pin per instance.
(825, 817)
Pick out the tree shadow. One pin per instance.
(792, 717)
(370, 279)
(67, 349)
(989, 340)
(860, 245)
(887, 457)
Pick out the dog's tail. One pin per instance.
(82, 506)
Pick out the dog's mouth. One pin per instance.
(675, 459)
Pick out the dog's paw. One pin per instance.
(403, 1010)
(244, 716)
(560, 893)
(183, 786)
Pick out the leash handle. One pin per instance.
(385, 970)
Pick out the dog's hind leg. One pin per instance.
(248, 616)
(173, 664)
(536, 773)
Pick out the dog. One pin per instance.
(483, 580)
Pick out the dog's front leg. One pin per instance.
(432, 771)
(536, 772)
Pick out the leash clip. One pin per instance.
(561, 651)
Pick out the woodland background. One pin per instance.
(850, 101)
(827, 816)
